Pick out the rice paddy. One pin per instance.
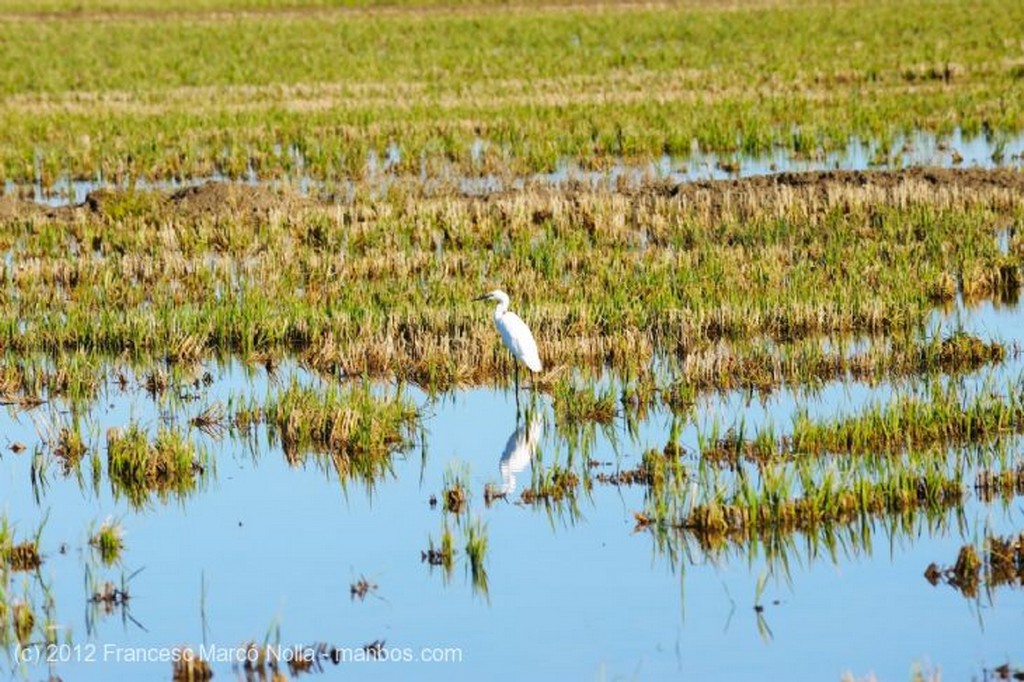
(254, 424)
(146, 92)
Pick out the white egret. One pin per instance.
(514, 334)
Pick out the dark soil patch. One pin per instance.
(222, 198)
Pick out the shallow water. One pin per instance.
(267, 551)
(915, 149)
(265, 547)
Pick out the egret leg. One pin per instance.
(516, 373)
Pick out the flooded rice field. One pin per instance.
(257, 423)
(315, 460)
(264, 548)
(915, 149)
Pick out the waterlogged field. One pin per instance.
(133, 90)
(257, 428)
(778, 416)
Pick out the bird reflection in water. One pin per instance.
(518, 453)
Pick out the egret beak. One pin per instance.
(482, 298)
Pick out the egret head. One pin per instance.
(496, 295)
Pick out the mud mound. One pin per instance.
(13, 208)
(121, 202)
(217, 199)
(222, 198)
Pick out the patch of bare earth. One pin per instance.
(224, 198)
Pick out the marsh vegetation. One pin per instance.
(249, 357)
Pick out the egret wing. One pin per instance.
(518, 339)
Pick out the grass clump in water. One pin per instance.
(941, 416)
(657, 469)
(552, 485)
(189, 666)
(71, 448)
(1001, 563)
(765, 366)
(18, 556)
(136, 466)
(574, 406)
(962, 351)
(108, 540)
(24, 620)
(476, 550)
(751, 514)
(1005, 560)
(964, 575)
(1007, 484)
(455, 495)
(21, 557)
(357, 428)
(442, 554)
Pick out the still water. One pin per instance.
(267, 551)
(918, 148)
